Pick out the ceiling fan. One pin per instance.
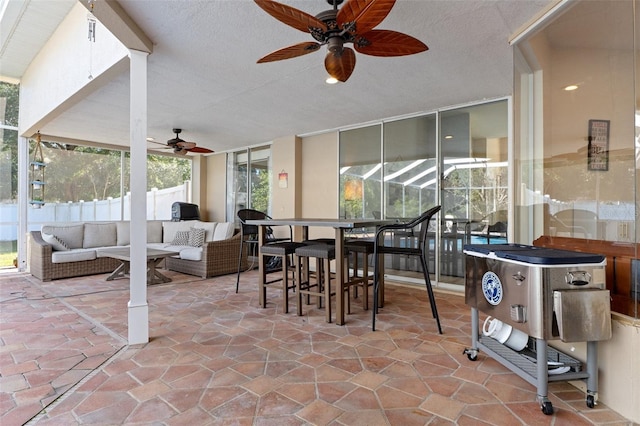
(181, 147)
(353, 23)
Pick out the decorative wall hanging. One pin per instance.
(37, 167)
(598, 152)
(283, 179)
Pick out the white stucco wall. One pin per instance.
(320, 180)
(51, 82)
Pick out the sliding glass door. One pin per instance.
(456, 158)
(249, 181)
(473, 187)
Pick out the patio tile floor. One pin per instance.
(215, 357)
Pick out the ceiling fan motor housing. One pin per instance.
(335, 45)
(173, 142)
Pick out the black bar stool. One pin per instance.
(324, 254)
(284, 251)
(380, 248)
(249, 239)
(360, 247)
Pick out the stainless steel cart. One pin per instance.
(548, 294)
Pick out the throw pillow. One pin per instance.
(181, 238)
(196, 237)
(57, 243)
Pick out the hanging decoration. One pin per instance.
(91, 35)
(37, 167)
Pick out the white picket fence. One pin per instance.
(159, 203)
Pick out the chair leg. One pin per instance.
(285, 283)
(299, 283)
(239, 265)
(327, 288)
(432, 299)
(346, 288)
(355, 272)
(374, 309)
(365, 282)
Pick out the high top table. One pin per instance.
(340, 226)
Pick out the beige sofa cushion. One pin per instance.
(71, 235)
(209, 228)
(223, 231)
(123, 230)
(191, 253)
(169, 229)
(76, 255)
(154, 232)
(99, 235)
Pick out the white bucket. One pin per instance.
(505, 334)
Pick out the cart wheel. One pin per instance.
(547, 408)
(591, 402)
(472, 354)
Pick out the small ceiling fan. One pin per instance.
(181, 147)
(353, 23)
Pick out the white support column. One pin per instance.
(138, 307)
(23, 200)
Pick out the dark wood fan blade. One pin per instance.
(200, 150)
(388, 43)
(291, 52)
(365, 13)
(291, 16)
(186, 145)
(159, 143)
(340, 67)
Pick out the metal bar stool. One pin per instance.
(249, 238)
(284, 251)
(360, 247)
(381, 249)
(324, 254)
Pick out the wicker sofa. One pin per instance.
(64, 250)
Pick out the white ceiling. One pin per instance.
(203, 75)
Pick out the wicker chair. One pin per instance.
(218, 258)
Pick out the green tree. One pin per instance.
(75, 173)
(9, 143)
(260, 189)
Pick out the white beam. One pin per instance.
(111, 14)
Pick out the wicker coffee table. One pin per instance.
(123, 254)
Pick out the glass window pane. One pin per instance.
(166, 178)
(249, 181)
(409, 166)
(8, 173)
(360, 172)
(9, 99)
(577, 176)
(474, 193)
(261, 179)
(84, 184)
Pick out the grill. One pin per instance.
(549, 295)
(184, 211)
